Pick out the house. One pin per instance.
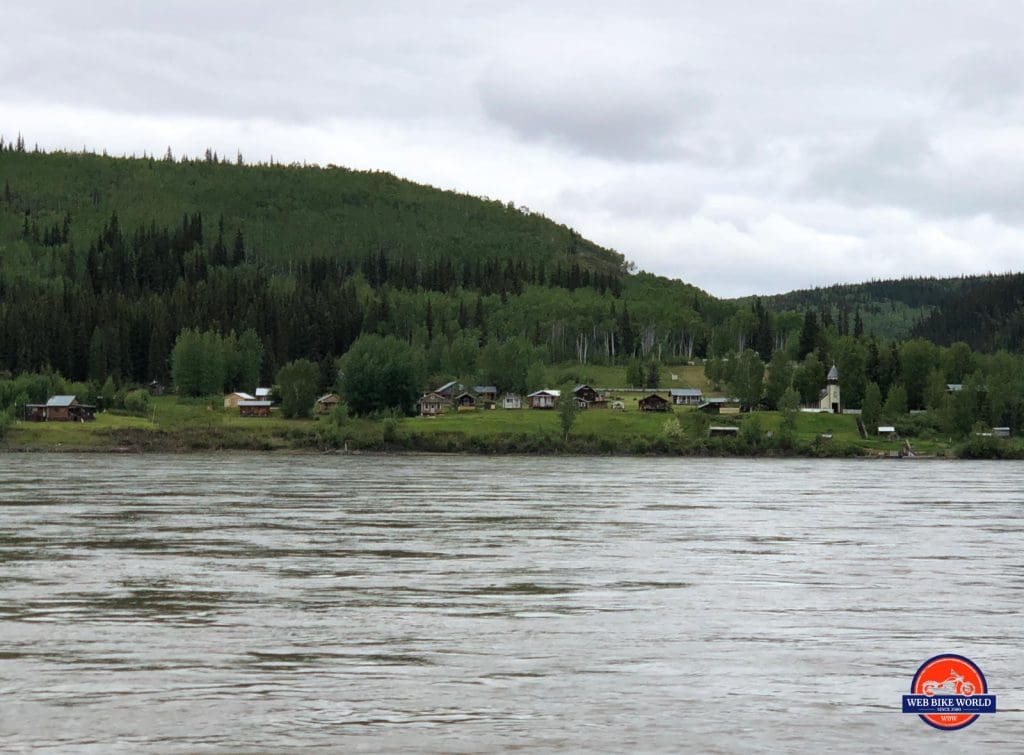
(954, 387)
(720, 405)
(325, 403)
(263, 394)
(465, 402)
(61, 408)
(588, 398)
(486, 393)
(723, 432)
(511, 401)
(449, 390)
(1001, 432)
(653, 403)
(254, 408)
(829, 397)
(432, 404)
(686, 396)
(888, 431)
(156, 388)
(232, 399)
(544, 399)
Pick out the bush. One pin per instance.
(137, 402)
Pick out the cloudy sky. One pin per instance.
(745, 147)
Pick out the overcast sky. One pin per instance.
(744, 147)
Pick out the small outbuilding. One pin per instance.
(888, 431)
(653, 403)
(511, 401)
(325, 403)
(232, 400)
(61, 408)
(1001, 432)
(449, 390)
(723, 431)
(263, 394)
(588, 398)
(432, 404)
(544, 399)
(486, 393)
(156, 388)
(465, 402)
(254, 408)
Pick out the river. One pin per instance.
(465, 604)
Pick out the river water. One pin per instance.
(465, 604)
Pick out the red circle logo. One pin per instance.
(947, 676)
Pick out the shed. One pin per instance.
(723, 431)
(1001, 432)
(589, 398)
(954, 387)
(486, 392)
(449, 390)
(432, 404)
(254, 408)
(544, 399)
(465, 402)
(232, 400)
(653, 403)
(511, 401)
(686, 396)
(66, 408)
(888, 431)
(263, 394)
(325, 403)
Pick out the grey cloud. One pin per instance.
(989, 80)
(595, 112)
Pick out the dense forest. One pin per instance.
(107, 263)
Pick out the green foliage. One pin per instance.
(789, 407)
(137, 402)
(871, 408)
(380, 373)
(895, 403)
(298, 383)
(652, 378)
(780, 377)
(917, 359)
(809, 379)
(506, 364)
(567, 411)
(747, 379)
(635, 374)
(536, 377)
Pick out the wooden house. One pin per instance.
(60, 409)
(254, 408)
(544, 399)
(432, 404)
(232, 399)
(720, 405)
(588, 398)
(486, 393)
(449, 391)
(263, 394)
(653, 403)
(325, 403)
(465, 402)
(686, 396)
(511, 401)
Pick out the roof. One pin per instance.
(60, 401)
(446, 386)
(466, 393)
(328, 397)
(654, 395)
(245, 396)
(484, 389)
(261, 392)
(833, 374)
(546, 392)
(954, 387)
(724, 429)
(886, 429)
(253, 402)
(432, 396)
(685, 392)
(580, 387)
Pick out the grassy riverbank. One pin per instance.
(174, 425)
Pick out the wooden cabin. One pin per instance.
(718, 405)
(486, 393)
(232, 400)
(263, 394)
(588, 398)
(653, 403)
(511, 401)
(156, 388)
(449, 391)
(465, 402)
(326, 403)
(432, 404)
(254, 408)
(686, 396)
(60, 409)
(544, 399)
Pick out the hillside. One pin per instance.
(988, 315)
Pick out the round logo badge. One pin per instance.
(953, 687)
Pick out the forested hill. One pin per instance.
(887, 308)
(105, 261)
(988, 315)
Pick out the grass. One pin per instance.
(603, 376)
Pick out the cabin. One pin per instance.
(156, 388)
(465, 402)
(486, 393)
(588, 398)
(263, 394)
(544, 399)
(686, 396)
(1001, 432)
(511, 401)
(432, 404)
(325, 403)
(254, 408)
(60, 409)
(722, 431)
(232, 399)
(720, 405)
(954, 387)
(653, 403)
(888, 431)
(449, 390)
(828, 400)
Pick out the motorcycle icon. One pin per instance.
(953, 685)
